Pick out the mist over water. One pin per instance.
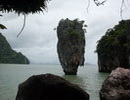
(11, 75)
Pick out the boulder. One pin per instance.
(50, 87)
(71, 45)
(116, 86)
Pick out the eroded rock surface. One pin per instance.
(116, 86)
(71, 45)
(50, 87)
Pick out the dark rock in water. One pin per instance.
(71, 45)
(8, 55)
(114, 48)
(50, 87)
(116, 86)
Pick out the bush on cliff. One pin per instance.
(114, 48)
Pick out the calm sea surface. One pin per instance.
(11, 75)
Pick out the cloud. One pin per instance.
(38, 40)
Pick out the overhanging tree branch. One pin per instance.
(121, 9)
(24, 22)
(98, 3)
(22, 7)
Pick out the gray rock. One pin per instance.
(71, 45)
(116, 86)
(50, 87)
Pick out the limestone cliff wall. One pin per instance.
(8, 55)
(113, 48)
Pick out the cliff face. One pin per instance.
(71, 45)
(114, 48)
(7, 55)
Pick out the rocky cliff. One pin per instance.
(8, 55)
(71, 45)
(113, 48)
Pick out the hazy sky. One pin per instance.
(38, 40)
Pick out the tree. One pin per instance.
(34, 6)
(23, 6)
(113, 48)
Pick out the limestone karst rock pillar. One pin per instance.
(71, 45)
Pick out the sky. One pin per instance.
(38, 41)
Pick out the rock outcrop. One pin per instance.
(116, 86)
(50, 87)
(71, 45)
(8, 55)
(114, 48)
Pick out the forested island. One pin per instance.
(113, 48)
(8, 55)
(71, 45)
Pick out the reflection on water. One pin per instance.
(76, 79)
(12, 75)
(89, 79)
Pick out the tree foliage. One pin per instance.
(2, 26)
(97, 2)
(115, 36)
(114, 47)
(23, 6)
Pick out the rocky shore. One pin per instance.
(116, 86)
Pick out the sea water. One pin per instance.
(11, 75)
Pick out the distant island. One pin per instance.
(8, 55)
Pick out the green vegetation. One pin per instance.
(7, 55)
(114, 47)
(73, 28)
(115, 37)
(23, 6)
(71, 44)
(2, 26)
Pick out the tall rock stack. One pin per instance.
(71, 45)
(114, 48)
